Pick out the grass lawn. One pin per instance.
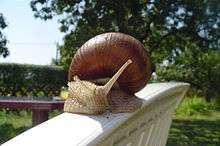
(13, 123)
(194, 132)
(195, 123)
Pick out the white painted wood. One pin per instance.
(147, 126)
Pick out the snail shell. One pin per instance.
(102, 57)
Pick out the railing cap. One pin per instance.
(72, 129)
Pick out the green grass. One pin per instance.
(194, 132)
(12, 123)
(196, 123)
(197, 108)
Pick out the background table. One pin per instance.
(40, 106)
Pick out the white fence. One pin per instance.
(148, 126)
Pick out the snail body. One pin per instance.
(99, 59)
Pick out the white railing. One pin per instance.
(148, 126)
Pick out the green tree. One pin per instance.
(201, 70)
(3, 49)
(170, 30)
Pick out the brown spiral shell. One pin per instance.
(104, 54)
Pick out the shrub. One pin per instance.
(31, 80)
(193, 106)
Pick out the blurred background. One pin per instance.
(38, 39)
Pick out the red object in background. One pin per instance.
(40, 106)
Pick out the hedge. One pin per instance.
(31, 80)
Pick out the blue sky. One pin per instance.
(31, 40)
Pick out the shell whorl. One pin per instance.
(103, 55)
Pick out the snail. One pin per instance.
(105, 73)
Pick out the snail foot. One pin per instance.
(120, 101)
(73, 105)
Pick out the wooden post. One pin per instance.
(39, 116)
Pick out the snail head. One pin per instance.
(87, 97)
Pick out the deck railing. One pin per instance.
(148, 126)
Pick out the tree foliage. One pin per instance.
(3, 49)
(201, 70)
(177, 33)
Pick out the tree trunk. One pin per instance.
(208, 96)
